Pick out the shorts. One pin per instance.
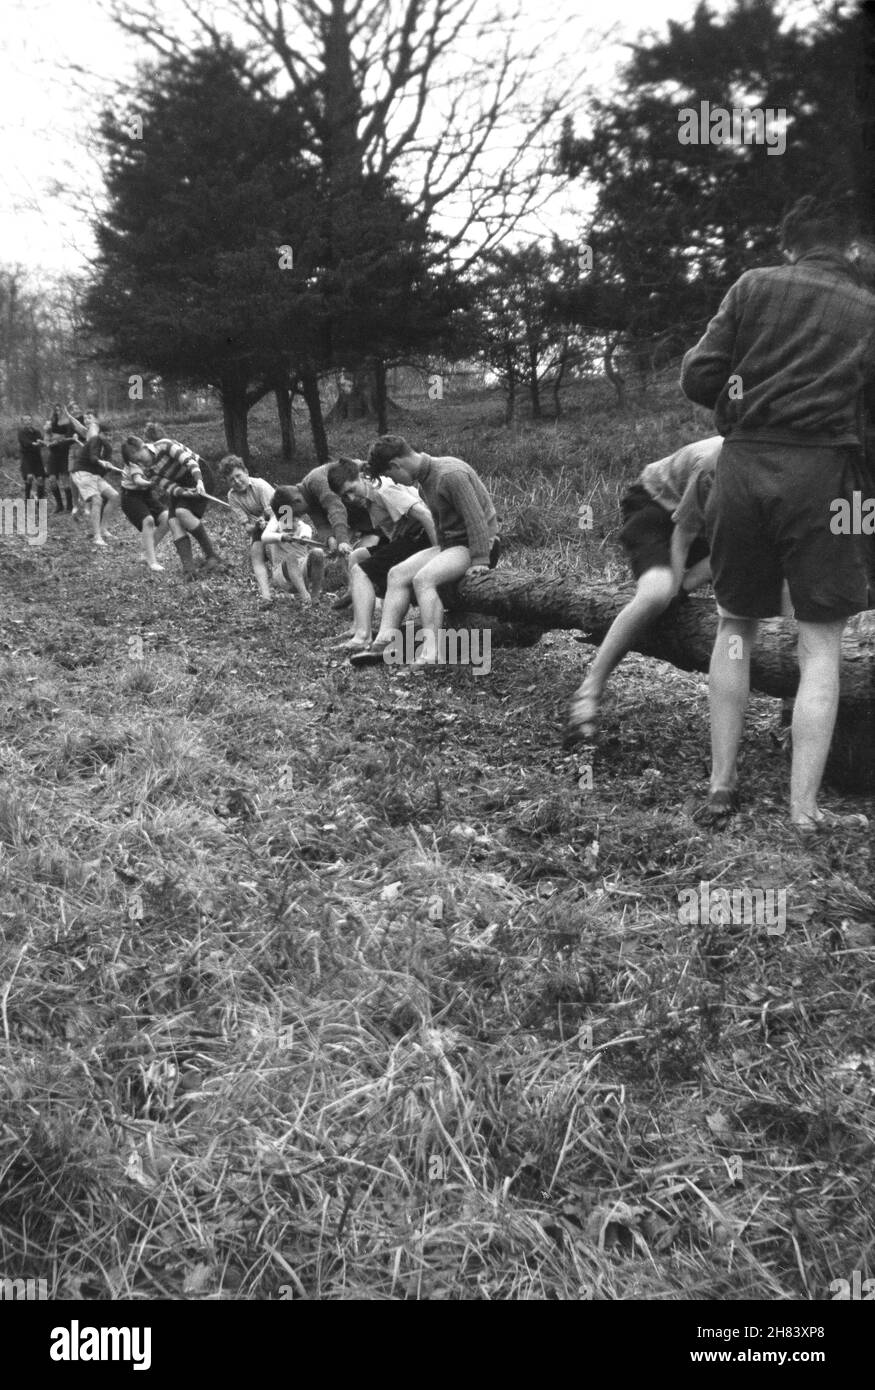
(494, 550)
(58, 462)
(647, 531)
(92, 485)
(138, 503)
(769, 514)
(388, 553)
(32, 468)
(195, 505)
(292, 552)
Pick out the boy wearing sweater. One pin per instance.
(664, 534)
(467, 541)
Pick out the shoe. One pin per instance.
(100, 542)
(370, 656)
(583, 720)
(353, 644)
(721, 804)
(343, 601)
(265, 605)
(156, 568)
(212, 564)
(108, 536)
(828, 823)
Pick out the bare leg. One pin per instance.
(95, 507)
(315, 569)
(814, 714)
(109, 508)
(363, 603)
(148, 534)
(259, 569)
(399, 592)
(728, 690)
(296, 571)
(655, 591)
(446, 567)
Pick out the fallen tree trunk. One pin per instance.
(684, 636)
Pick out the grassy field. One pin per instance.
(324, 984)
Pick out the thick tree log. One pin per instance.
(684, 637)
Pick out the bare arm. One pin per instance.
(422, 514)
(698, 574)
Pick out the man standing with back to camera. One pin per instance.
(786, 364)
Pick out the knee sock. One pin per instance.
(27, 490)
(68, 494)
(183, 546)
(41, 490)
(204, 541)
(56, 493)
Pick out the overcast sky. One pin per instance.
(46, 116)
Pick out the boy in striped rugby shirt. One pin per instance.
(175, 475)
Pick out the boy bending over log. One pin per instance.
(664, 531)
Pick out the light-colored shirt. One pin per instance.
(666, 480)
(388, 505)
(287, 530)
(251, 504)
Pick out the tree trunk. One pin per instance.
(310, 392)
(557, 380)
(284, 396)
(614, 377)
(510, 396)
(381, 399)
(235, 414)
(684, 636)
(534, 391)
